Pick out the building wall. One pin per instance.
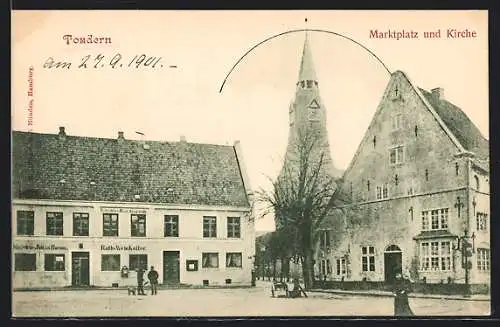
(190, 242)
(431, 176)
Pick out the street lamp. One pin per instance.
(467, 249)
(262, 251)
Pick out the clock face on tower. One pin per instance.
(314, 110)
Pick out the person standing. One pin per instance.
(140, 282)
(402, 287)
(153, 280)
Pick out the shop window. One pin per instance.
(210, 260)
(54, 223)
(110, 224)
(233, 260)
(171, 226)
(110, 262)
(25, 222)
(25, 262)
(483, 259)
(233, 227)
(137, 261)
(80, 224)
(435, 256)
(368, 258)
(138, 225)
(481, 221)
(54, 262)
(209, 226)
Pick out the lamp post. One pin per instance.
(262, 251)
(467, 249)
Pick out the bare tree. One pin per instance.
(301, 197)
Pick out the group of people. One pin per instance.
(153, 281)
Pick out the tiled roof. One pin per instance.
(45, 166)
(460, 125)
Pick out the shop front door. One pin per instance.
(80, 269)
(171, 267)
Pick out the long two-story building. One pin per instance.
(91, 211)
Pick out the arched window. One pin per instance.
(476, 180)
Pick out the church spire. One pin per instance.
(307, 71)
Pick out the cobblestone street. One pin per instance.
(224, 302)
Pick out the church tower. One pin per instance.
(307, 115)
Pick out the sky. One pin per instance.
(167, 102)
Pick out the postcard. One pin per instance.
(250, 163)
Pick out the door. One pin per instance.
(80, 269)
(171, 267)
(392, 265)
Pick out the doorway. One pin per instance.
(393, 263)
(80, 269)
(171, 267)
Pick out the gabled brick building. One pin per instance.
(419, 183)
(86, 210)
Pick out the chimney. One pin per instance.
(183, 138)
(120, 136)
(438, 93)
(62, 132)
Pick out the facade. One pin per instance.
(419, 191)
(91, 211)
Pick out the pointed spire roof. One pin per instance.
(307, 71)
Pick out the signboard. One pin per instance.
(122, 247)
(37, 246)
(123, 210)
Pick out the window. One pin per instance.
(368, 258)
(54, 262)
(209, 227)
(325, 267)
(439, 219)
(25, 222)
(233, 227)
(476, 180)
(396, 121)
(138, 225)
(483, 259)
(110, 224)
(382, 192)
(110, 262)
(80, 224)
(341, 267)
(210, 260)
(435, 256)
(54, 223)
(425, 220)
(233, 260)
(396, 155)
(136, 261)
(482, 221)
(25, 262)
(324, 239)
(171, 226)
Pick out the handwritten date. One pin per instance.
(101, 61)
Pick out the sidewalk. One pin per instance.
(474, 297)
(104, 288)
